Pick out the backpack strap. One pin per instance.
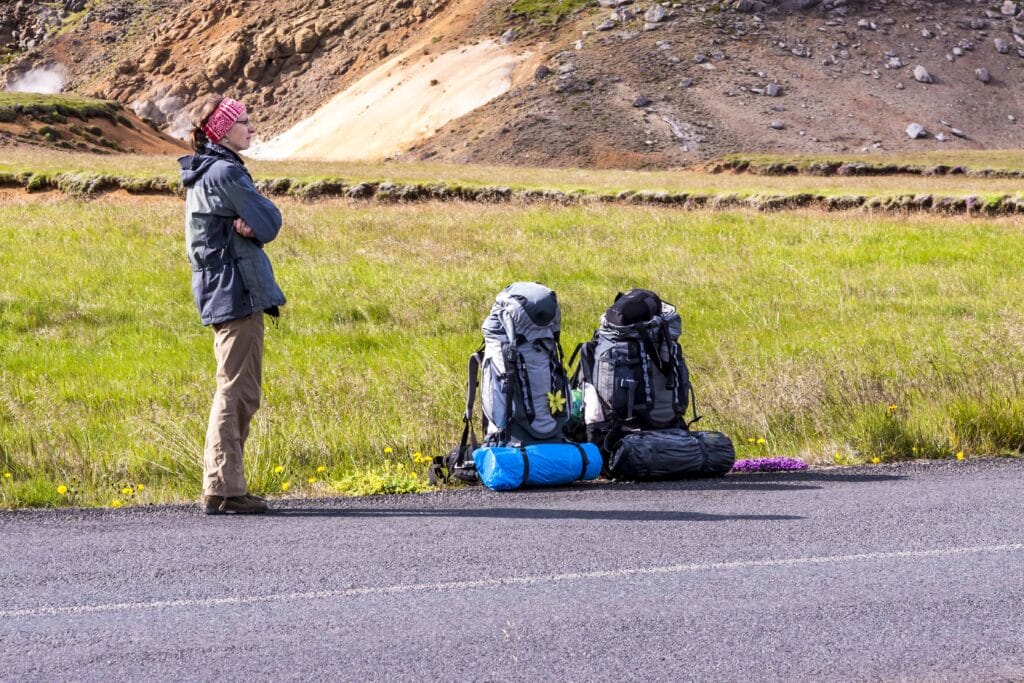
(442, 466)
(693, 404)
(652, 350)
(585, 461)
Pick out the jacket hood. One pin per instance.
(195, 166)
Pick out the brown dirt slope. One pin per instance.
(80, 125)
(695, 84)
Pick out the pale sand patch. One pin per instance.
(395, 105)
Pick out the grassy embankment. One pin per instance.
(970, 161)
(838, 338)
(87, 174)
(62, 121)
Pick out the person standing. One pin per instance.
(227, 224)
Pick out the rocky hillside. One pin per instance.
(623, 83)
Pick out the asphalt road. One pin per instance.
(904, 572)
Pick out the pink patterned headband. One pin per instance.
(222, 118)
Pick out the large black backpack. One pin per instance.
(632, 373)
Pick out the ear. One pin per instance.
(618, 296)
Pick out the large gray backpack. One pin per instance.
(524, 389)
(632, 374)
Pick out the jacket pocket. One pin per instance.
(220, 293)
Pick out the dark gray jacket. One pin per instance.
(231, 275)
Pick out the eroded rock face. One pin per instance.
(262, 51)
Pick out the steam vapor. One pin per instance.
(45, 81)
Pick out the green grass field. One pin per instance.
(838, 338)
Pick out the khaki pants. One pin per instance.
(238, 346)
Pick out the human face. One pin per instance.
(239, 136)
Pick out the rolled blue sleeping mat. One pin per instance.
(505, 468)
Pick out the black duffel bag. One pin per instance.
(667, 454)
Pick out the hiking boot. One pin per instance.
(238, 505)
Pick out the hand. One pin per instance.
(243, 228)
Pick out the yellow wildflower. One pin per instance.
(556, 402)
(960, 455)
(311, 480)
(321, 469)
(751, 440)
(388, 451)
(7, 475)
(893, 407)
(62, 489)
(116, 503)
(128, 491)
(140, 487)
(286, 485)
(876, 460)
(279, 469)
(761, 442)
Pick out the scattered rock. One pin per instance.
(983, 75)
(542, 72)
(655, 14)
(606, 25)
(921, 75)
(773, 90)
(1009, 9)
(642, 101)
(686, 83)
(866, 25)
(778, 125)
(1002, 46)
(916, 130)
(958, 133)
(941, 137)
(508, 36)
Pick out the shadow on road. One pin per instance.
(775, 481)
(530, 513)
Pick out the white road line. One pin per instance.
(508, 581)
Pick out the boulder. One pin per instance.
(916, 130)
(921, 75)
(1009, 8)
(655, 14)
(154, 59)
(305, 41)
(224, 60)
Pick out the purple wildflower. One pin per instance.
(769, 465)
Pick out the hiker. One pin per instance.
(227, 223)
